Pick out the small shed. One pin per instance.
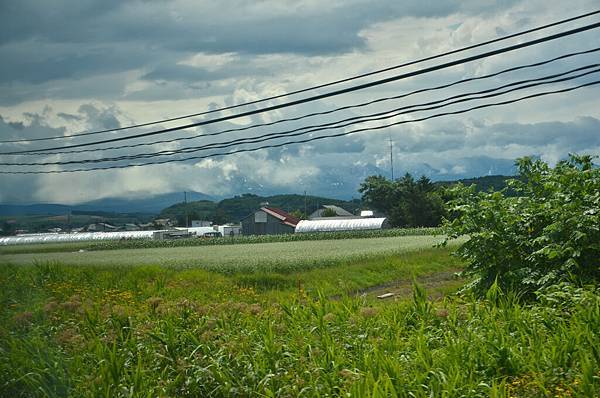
(226, 230)
(337, 224)
(269, 221)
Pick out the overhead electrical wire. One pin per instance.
(520, 85)
(332, 83)
(332, 93)
(330, 111)
(312, 139)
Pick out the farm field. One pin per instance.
(129, 328)
(113, 244)
(280, 256)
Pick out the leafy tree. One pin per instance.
(328, 213)
(408, 203)
(299, 214)
(8, 228)
(548, 234)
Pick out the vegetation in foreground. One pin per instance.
(548, 234)
(162, 331)
(532, 330)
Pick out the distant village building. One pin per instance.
(229, 230)
(130, 227)
(339, 212)
(200, 223)
(366, 213)
(269, 221)
(147, 226)
(162, 223)
(333, 224)
(101, 226)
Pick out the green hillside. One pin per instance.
(236, 208)
(198, 210)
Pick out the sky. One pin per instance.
(70, 67)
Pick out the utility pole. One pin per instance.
(392, 156)
(305, 205)
(186, 208)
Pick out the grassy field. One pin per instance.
(163, 323)
(280, 257)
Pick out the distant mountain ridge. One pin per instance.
(152, 204)
(485, 183)
(229, 209)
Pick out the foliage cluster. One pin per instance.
(407, 202)
(547, 234)
(158, 331)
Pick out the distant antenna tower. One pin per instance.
(392, 156)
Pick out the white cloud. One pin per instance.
(120, 77)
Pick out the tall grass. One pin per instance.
(164, 331)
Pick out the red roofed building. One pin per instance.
(269, 221)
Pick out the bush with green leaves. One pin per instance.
(547, 234)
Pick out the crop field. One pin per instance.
(242, 239)
(280, 256)
(284, 319)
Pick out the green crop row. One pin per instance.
(241, 239)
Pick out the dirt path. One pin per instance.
(437, 285)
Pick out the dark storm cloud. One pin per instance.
(187, 73)
(69, 117)
(42, 41)
(579, 135)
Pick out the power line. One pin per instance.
(371, 102)
(521, 85)
(313, 138)
(333, 93)
(372, 73)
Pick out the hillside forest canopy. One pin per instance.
(407, 202)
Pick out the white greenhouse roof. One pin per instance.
(74, 237)
(200, 231)
(348, 224)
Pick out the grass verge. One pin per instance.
(68, 330)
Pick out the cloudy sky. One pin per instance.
(76, 66)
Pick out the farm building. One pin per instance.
(201, 223)
(341, 224)
(339, 212)
(226, 230)
(269, 221)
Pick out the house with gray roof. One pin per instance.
(339, 212)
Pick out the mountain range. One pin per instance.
(151, 204)
(155, 204)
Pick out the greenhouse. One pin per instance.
(341, 224)
(73, 237)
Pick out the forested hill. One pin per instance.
(485, 183)
(236, 208)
